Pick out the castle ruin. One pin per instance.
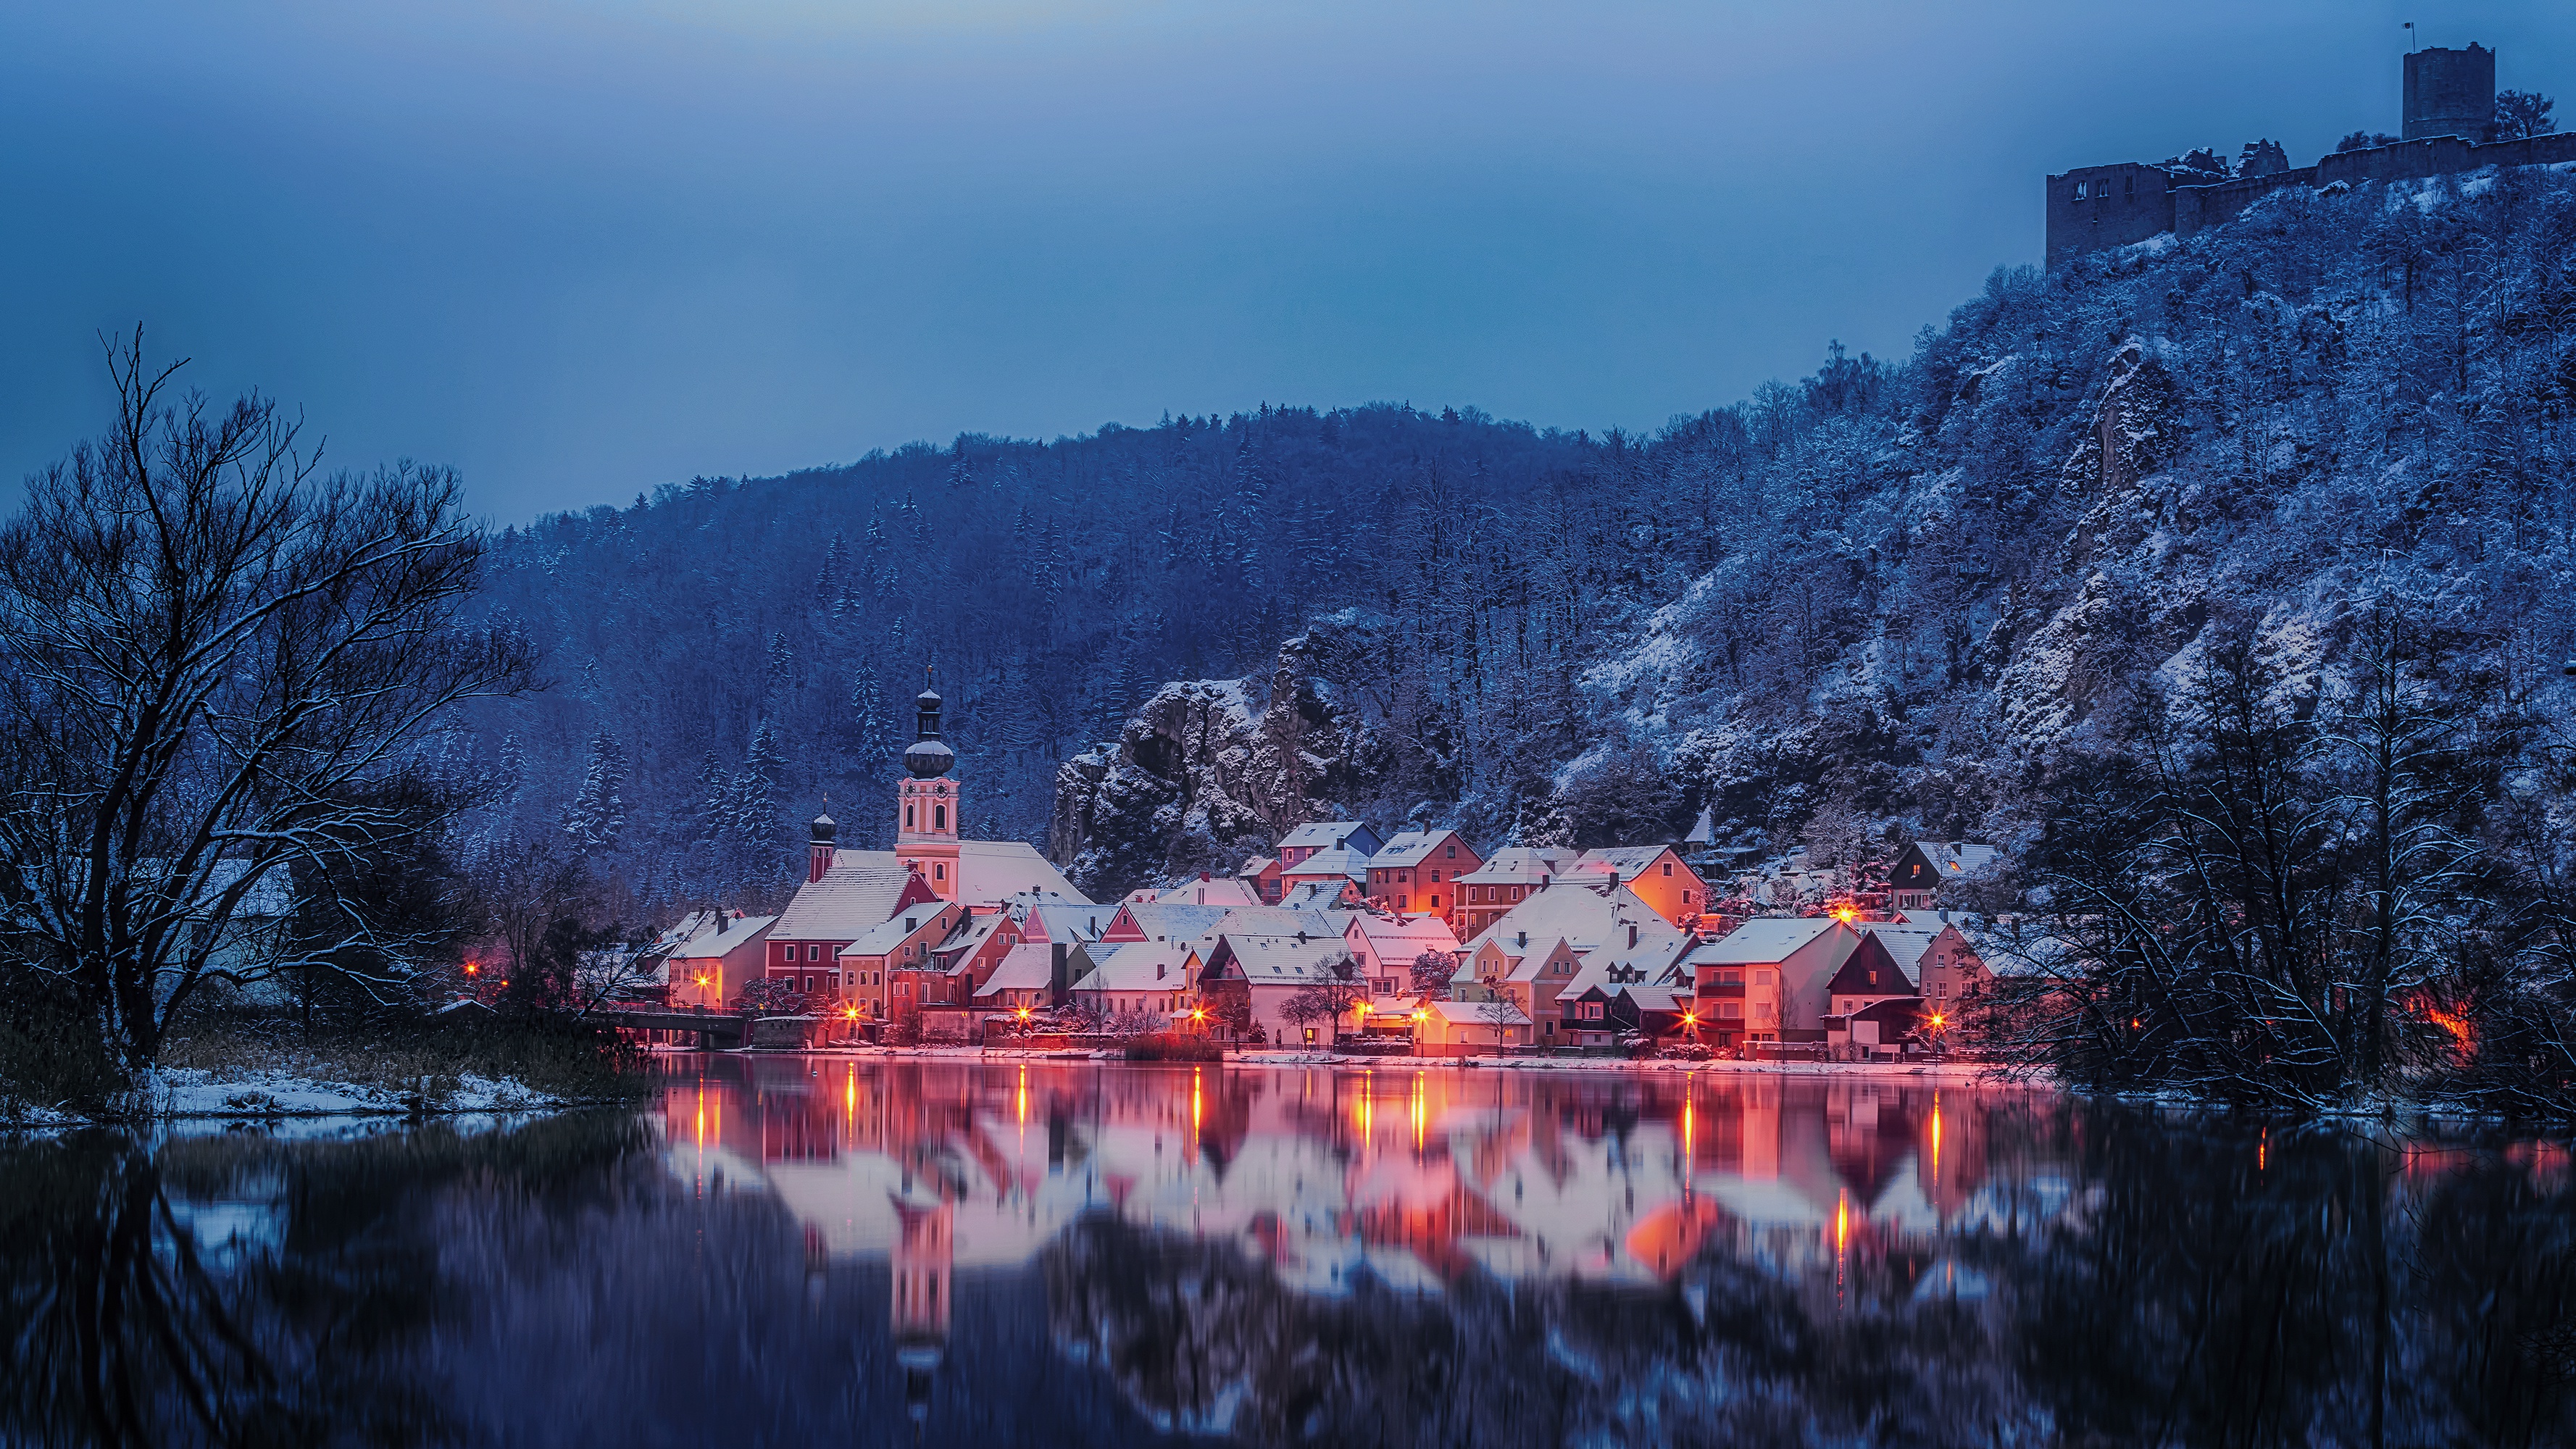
(2450, 100)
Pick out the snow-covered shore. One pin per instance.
(185, 1094)
(1968, 1072)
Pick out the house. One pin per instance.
(1331, 894)
(1916, 881)
(1343, 869)
(846, 894)
(1465, 1028)
(1878, 1029)
(944, 987)
(714, 954)
(1768, 976)
(1386, 945)
(1265, 972)
(1867, 976)
(1659, 876)
(1157, 979)
(1261, 873)
(1535, 949)
(1655, 1012)
(1049, 919)
(1317, 836)
(1949, 970)
(1032, 977)
(887, 972)
(1418, 870)
(1506, 879)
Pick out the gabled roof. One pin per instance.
(884, 938)
(1222, 891)
(1905, 942)
(1652, 998)
(1024, 967)
(858, 892)
(1934, 921)
(1763, 940)
(993, 870)
(1068, 921)
(1524, 864)
(1474, 1013)
(711, 940)
(1257, 864)
(1318, 895)
(1587, 914)
(1324, 834)
(1412, 847)
(1283, 960)
(1630, 861)
(1135, 968)
(1162, 922)
(1409, 936)
(1348, 863)
(970, 935)
(1870, 971)
(1704, 830)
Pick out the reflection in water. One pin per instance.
(953, 1252)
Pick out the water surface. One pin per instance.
(800, 1251)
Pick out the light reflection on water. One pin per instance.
(946, 1251)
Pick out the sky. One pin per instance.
(579, 248)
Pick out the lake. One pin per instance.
(787, 1250)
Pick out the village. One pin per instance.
(1411, 943)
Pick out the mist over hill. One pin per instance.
(1899, 590)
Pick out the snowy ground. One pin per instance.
(197, 1092)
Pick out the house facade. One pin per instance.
(1417, 872)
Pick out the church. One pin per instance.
(850, 894)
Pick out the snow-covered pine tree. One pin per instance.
(596, 820)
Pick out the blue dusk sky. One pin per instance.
(578, 248)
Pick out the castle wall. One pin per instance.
(2123, 203)
(2075, 228)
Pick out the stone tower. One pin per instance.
(2450, 92)
(926, 808)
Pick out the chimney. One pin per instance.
(1057, 986)
(1632, 935)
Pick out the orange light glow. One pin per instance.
(2462, 1036)
(473, 968)
(1844, 914)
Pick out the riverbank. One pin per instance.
(1963, 1072)
(262, 1070)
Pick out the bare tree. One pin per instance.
(1431, 972)
(1496, 1010)
(216, 662)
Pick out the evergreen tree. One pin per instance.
(596, 820)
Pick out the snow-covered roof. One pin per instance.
(1280, 921)
(1905, 942)
(1162, 922)
(886, 937)
(1476, 1013)
(1405, 936)
(1257, 864)
(1958, 857)
(1870, 970)
(1412, 847)
(1704, 830)
(989, 871)
(1524, 864)
(1069, 920)
(1629, 861)
(1226, 891)
(711, 939)
(1652, 998)
(1318, 895)
(1323, 834)
(1587, 914)
(1933, 921)
(1024, 967)
(855, 895)
(1763, 940)
(1347, 863)
(1284, 960)
(971, 934)
(1142, 966)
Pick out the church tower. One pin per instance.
(926, 811)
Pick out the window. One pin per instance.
(813, 953)
(1516, 893)
(1435, 877)
(2079, 191)
(939, 817)
(1730, 1010)
(907, 817)
(940, 870)
(1450, 854)
(1761, 978)
(1668, 867)
(1762, 1011)
(1940, 989)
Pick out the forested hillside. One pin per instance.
(1887, 591)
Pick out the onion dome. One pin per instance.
(823, 828)
(928, 759)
